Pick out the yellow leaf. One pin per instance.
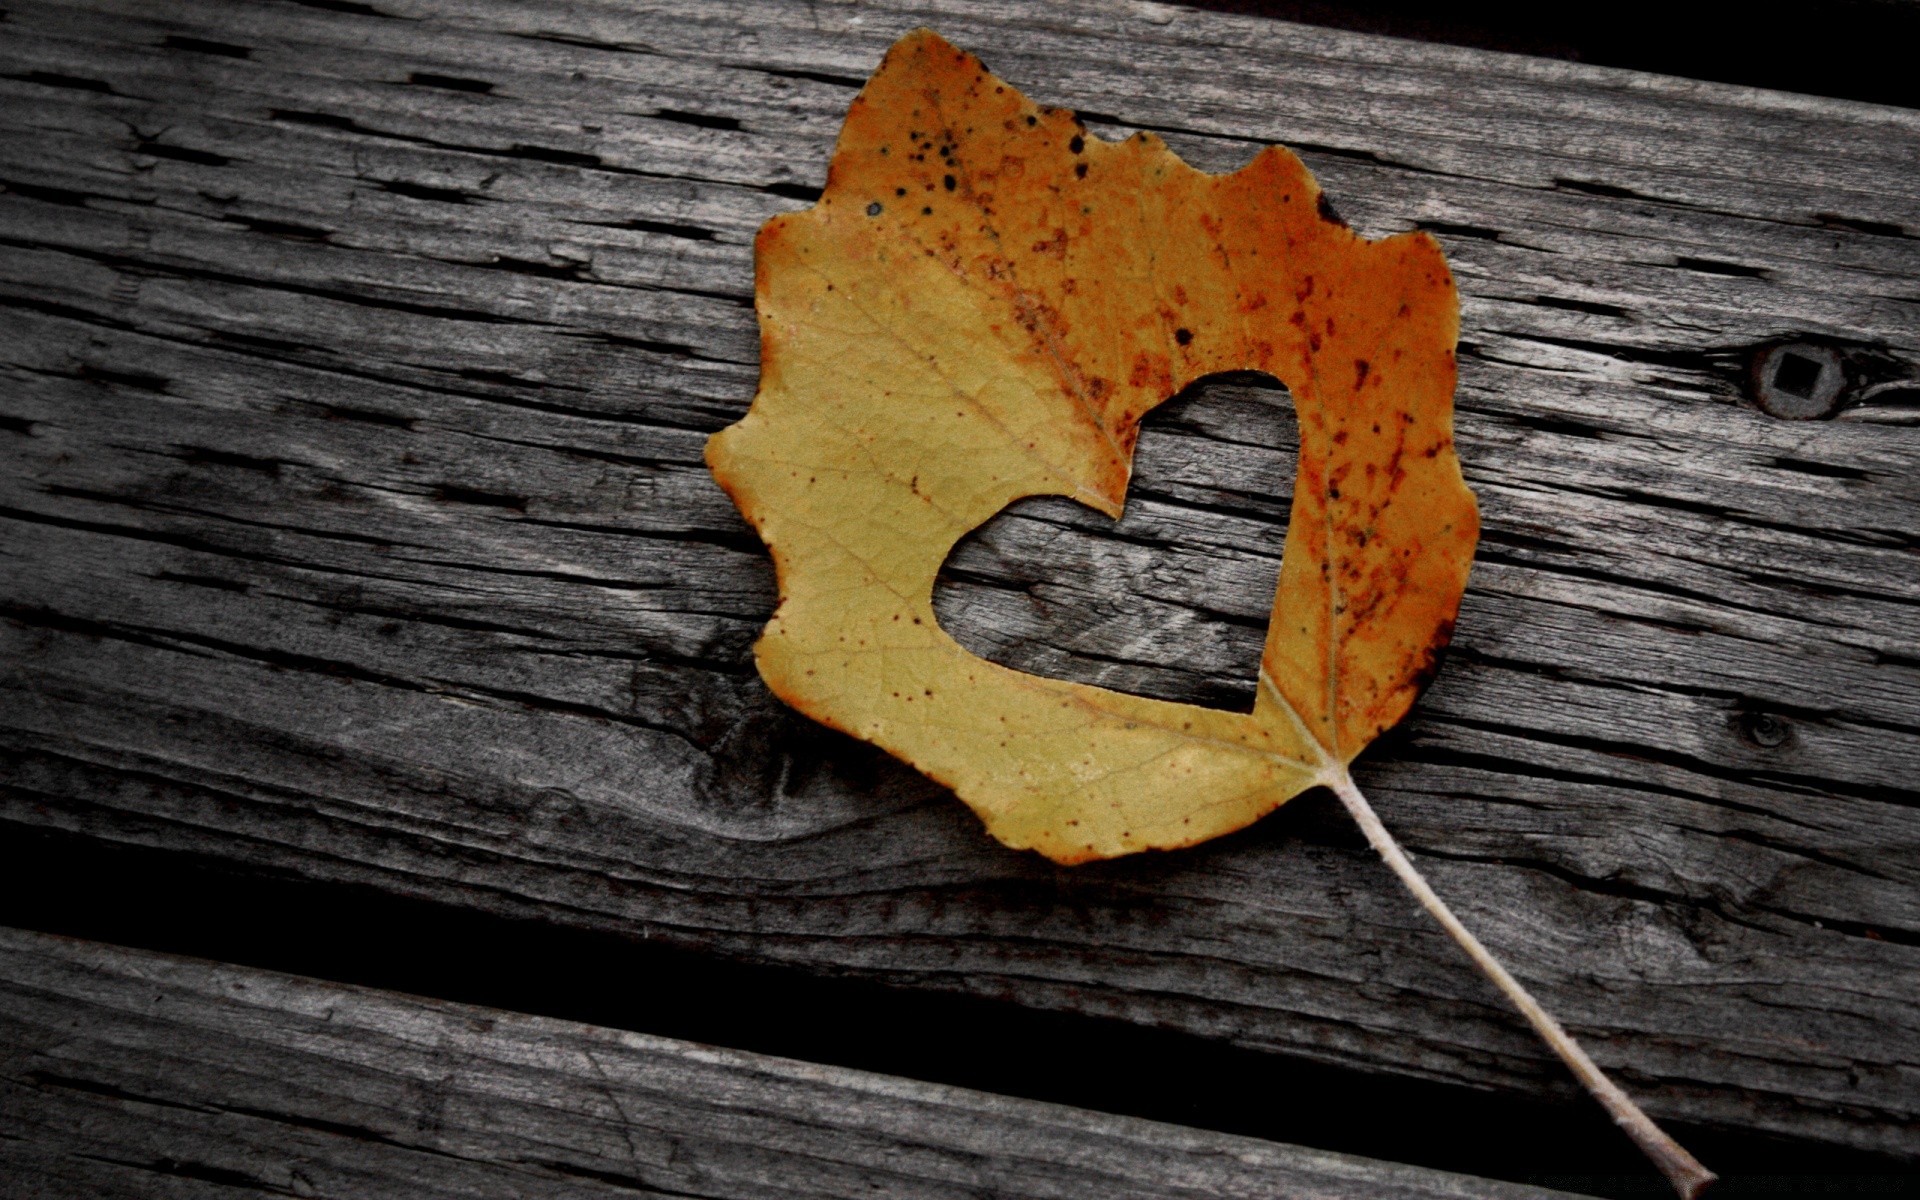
(981, 307)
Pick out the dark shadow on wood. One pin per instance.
(66, 884)
(1851, 49)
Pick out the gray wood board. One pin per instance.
(358, 361)
(131, 1074)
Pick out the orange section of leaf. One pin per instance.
(981, 307)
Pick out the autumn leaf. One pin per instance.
(982, 306)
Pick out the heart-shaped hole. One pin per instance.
(1171, 601)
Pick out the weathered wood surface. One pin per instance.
(358, 361)
(131, 1074)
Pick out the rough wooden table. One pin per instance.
(357, 362)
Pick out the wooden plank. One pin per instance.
(358, 362)
(129, 1073)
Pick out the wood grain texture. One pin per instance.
(358, 360)
(131, 1074)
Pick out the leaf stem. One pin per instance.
(1682, 1170)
